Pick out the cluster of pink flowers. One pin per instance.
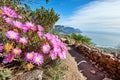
(26, 35)
(11, 56)
(10, 13)
(12, 35)
(8, 58)
(58, 49)
(34, 57)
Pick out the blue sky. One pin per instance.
(98, 15)
(62, 7)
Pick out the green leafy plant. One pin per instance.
(78, 38)
(54, 70)
(5, 74)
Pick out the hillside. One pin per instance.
(66, 29)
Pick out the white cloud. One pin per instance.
(97, 15)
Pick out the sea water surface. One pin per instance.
(104, 39)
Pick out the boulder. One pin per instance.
(30, 75)
(72, 72)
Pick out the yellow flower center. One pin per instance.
(30, 56)
(8, 47)
(16, 30)
(13, 36)
(16, 51)
(32, 28)
(29, 66)
(46, 42)
(22, 40)
(37, 59)
(1, 12)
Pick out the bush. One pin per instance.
(27, 42)
(81, 39)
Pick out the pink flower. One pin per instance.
(1, 47)
(48, 36)
(40, 28)
(40, 33)
(23, 40)
(58, 48)
(31, 26)
(8, 20)
(24, 28)
(8, 58)
(17, 24)
(9, 12)
(16, 51)
(29, 56)
(45, 48)
(62, 55)
(53, 55)
(19, 16)
(12, 35)
(38, 59)
(34, 57)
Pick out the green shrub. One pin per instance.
(5, 74)
(81, 39)
(54, 71)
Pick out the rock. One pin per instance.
(31, 75)
(96, 66)
(83, 61)
(100, 68)
(107, 79)
(72, 73)
(93, 72)
(93, 63)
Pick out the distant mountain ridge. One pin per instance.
(66, 29)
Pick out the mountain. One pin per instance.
(66, 29)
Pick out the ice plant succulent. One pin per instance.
(23, 40)
(53, 55)
(40, 34)
(17, 24)
(8, 58)
(58, 48)
(24, 28)
(16, 51)
(12, 35)
(38, 59)
(31, 26)
(29, 56)
(45, 48)
(9, 12)
(27, 41)
(8, 20)
(40, 28)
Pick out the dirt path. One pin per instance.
(85, 66)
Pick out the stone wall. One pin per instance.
(103, 59)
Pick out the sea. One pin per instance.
(104, 39)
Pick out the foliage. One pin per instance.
(54, 72)
(4, 74)
(46, 18)
(81, 39)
